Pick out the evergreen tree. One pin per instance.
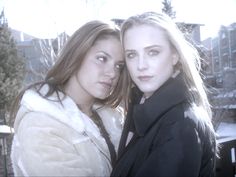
(11, 67)
(168, 9)
(185, 28)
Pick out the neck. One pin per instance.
(83, 100)
(86, 109)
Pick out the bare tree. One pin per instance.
(46, 52)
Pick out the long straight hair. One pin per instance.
(189, 58)
(69, 62)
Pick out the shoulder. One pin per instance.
(199, 117)
(111, 115)
(188, 120)
(199, 120)
(35, 121)
(34, 105)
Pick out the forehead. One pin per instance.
(106, 39)
(110, 46)
(145, 34)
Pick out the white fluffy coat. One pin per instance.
(59, 140)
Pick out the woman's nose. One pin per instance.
(111, 72)
(142, 63)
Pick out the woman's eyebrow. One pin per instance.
(129, 50)
(105, 53)
(152, 46)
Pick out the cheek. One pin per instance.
(85, 66)
(165, 70)
(115, 81)
(131, 66)
(132, 72)
(163, 64)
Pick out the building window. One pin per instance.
(225, 61)
(234, 59)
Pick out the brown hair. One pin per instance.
(70, 60)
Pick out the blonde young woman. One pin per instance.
(168, 130)
(69, 124)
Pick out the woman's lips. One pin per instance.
(144, 78)
(106, 85)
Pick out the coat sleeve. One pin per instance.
(178, 153)
(46, 149)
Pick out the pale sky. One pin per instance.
(47, 18)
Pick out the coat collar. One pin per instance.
(173, 92)
(68, 113)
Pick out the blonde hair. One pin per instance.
(189, 58)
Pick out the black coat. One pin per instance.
(169, 140)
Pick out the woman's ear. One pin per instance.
(175, 58)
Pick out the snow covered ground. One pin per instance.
(226, 131)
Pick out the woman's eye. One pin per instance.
(130, 55)
(153, 52)
(120, 66)
(101, 58)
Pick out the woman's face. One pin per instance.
(149, 57)
(100, 69)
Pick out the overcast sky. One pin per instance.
(47, 18)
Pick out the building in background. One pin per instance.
(221, 51)
(221, 74)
